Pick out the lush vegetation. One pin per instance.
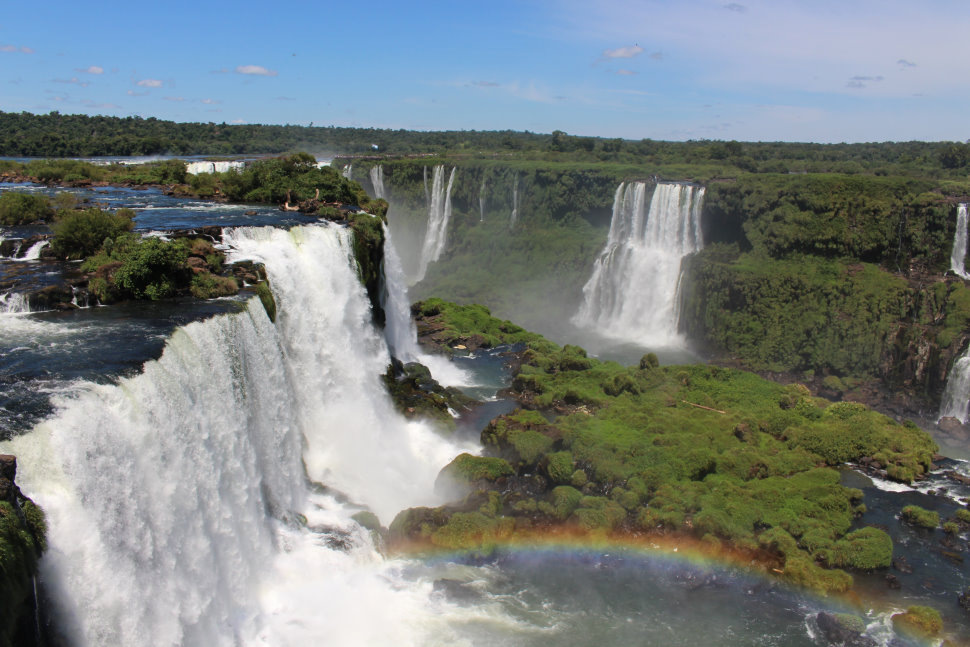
(57, 135)
(19, 208)
(718, 454)
(22, 540)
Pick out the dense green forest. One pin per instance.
(56, 135)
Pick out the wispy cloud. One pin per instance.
(904, 63)
(132, 93)
(626, 72)
(862, 81)
(210, 102)
(238, 121)
(657, 56)
(15, 48)
(94, 69)
(73, 80)
(735, 7)
(174, 98)
(623, 52)
(486, 84)
(257, 70)
(103, 106)
(150, 83)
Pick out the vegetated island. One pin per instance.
(704, 456)
(119, 265)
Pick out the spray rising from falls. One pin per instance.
(178, 500)
(377, 181)
(959, 253)
(956, 395)
(439, 214)
(481, 202)
(632, 293)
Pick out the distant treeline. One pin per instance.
(56, 135)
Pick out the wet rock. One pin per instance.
(8, 470)
(841, 629)
(964, 599)
(893, 582)
(953, 428)
(902, 565)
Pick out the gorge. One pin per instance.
(287, 434)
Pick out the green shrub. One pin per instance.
(18, 208)
(79, 234)
(866, 549)
(154, 269)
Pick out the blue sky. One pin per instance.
(753, 70)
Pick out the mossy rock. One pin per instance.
(467, 469)
(919, 620)
(921, 517)
(266, 298)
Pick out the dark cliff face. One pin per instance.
(22, 541)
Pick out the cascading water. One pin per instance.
(13, 303)
(515, 202)
(956, 395)
(427, 191)
(632, 293)
(33, 253)
(439, 214)
(348, 172)
(481, 202)
(399, 329)
(959, 253)
(377, 181)
(195, 168)
(178, 500)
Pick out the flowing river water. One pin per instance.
(200, 467)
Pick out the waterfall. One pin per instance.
(377, 180)
(515, 202)
(959, 253)
(33, 253)
(956, 394)
(195, 168)
(481, 202)
(180, 501)
(348, 172)
(632, 292)
(13, 303)
(427, 191)
(399, 329)
(439, 213)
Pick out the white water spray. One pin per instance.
(439, 214)
(348, 172)
(959, 253)
(632, 293)
(175, 498)
(33, 253)
(377, 181)
(956, 395)
(481, 202)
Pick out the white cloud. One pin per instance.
(132, 93)
(210, 101)
(14, 48)
(626, 72)
(174, 98)
(257, 70)
(150, 83)
(94, 69)
(623, 52)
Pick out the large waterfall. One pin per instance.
(956, 395)
(632, 293)
(377, 181)
(181, 502)
(514, 217)
(439, 213)
(959, 252)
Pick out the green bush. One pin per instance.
(919, 620)
(154, 269)
(79, 234)
(206, 285)
(18, 208)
